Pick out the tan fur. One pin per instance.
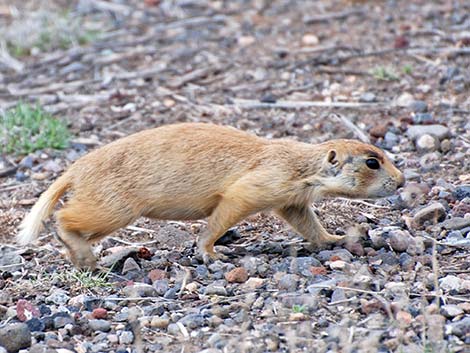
(192, 171)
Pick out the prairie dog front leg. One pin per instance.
(306, 223)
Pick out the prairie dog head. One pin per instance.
(357, 170)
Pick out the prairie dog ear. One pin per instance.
(332, 158)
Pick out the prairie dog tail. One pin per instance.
(32, 223)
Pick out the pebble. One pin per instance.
(156, 275)
(20, 176)
(99, 313)
(14, 337)
(288, 282)
(58, 297)
(99, 325)
(173, 329)
(462, 191)
(405, 100)
(338, 265)
(161, 286)
(450, 283)
(159, 322)
(253, 283)
(451, 310)
(9, 258)
(435, 212)
(216, 288)
(310, 39)
(456, 223)
(427, 143)
(302, 265)
(130, 265)
(35, 325)
(25, 310)
(422, 118)
(192, 321)
(139, 290)
(460, 328)
(439, 131)
(126, 337)
(332, 255)
(418, 106)
(237, 275)
(368, 97)
(62, 320)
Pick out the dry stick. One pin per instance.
(195, 75)
(333, 16)
(255, 104)
(435, 270)
(357, 131)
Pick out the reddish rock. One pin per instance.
(320, 270)
(156, 275)
(144, 253)
(100, 313)
(25, 310)
(379, 130)
(404, 318)
(237, 275)
(401, 42)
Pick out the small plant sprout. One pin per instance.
(298, 309)
(407, 69)
(88, 280)
(384, 74)
(25, 129)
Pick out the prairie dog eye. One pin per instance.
(372, 163)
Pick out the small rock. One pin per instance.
(456, 223)
(302, 265)
(99, 313)
(333, 255)
(35, 325)
(422, 118)
(427, 143)
(216, 288)
(450, 282)
(126, 337)
(173, 329)
(52, 166)
(20, 176)
(171, 293)
(192, 321)
(253, 283)
(161, 286)
(419, 106)
(400, 240)
(405, 100)
(139, 290)
(318, 270)
(25, 310)
(460, 328)
(62, 320)
(379, 130)
(310, 39)
(462, 191)
(439, 131)
(288, 282)
(9, 258)
(14, 337)
(434, 212)
(338, 265)
(99, 325)
(338, 295)
(451, 310)
(159, 322)
(58, 297)
(237, 275)
(446, 145)
(246, 40)
(367, 97)
(156, 275)
(404, 318)
(130, 265)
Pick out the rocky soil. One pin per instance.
(392, 72)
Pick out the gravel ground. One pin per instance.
(392, 72)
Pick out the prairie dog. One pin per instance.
(194, 170)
